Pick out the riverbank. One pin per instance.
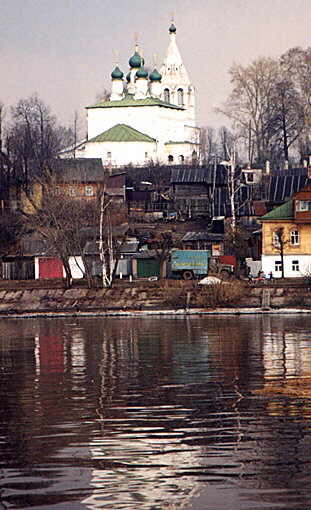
(152, 298)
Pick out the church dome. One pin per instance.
(172, 29)
(141, 73)
(155, 75)
(135, 60)
(117, 74)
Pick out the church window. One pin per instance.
(170, 158)
(181, 159)
(194, 155)
(166, 95)
(180, 97)
(146, 155)
(108, 155)
(89, 191)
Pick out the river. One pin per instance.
(155, 413)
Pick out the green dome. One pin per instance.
(117, 74)
(172, 29)
(141, 73)
(155, 75)
(135, 60)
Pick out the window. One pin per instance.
(303, 205)
(194, 155)
(108, 155)
(89, 191)
(146, 155)
(71, 191)
(276, 239)
(167, 95)
(295, 265)
(250, 177)
(278, 266)
(57, 190)
(294, 237)
(181, 159)
(180, 97)
(170, 158)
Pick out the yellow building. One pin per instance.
(287, 229)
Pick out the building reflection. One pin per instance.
(150, 410)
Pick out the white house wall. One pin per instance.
(268, 265)
(77, 267)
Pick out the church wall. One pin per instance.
(122, 153)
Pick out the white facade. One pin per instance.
(294, 265)
(161, 107)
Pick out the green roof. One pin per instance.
(283, 212)
(129, 100)
(122, 133)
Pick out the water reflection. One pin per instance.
(153, 413)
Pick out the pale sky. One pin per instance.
(64, 49)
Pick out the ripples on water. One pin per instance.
(154, 414)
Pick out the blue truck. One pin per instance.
(189, 264)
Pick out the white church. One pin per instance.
(149, 118)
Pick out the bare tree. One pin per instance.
(279, 243)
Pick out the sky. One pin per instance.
(65, 50)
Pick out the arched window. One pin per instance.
(180, 97)
(170, 158)
(194, 155)
(181, 159)
(294, 237)
(167, 95)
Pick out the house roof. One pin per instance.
(188, 175)
(129, 100)
(283, 212)
(72, 169)
(282, 187)
(202, 236)
(122, 133)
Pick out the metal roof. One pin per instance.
(188, 175)
(129, 100)
(122, 133)
(284, 212)
(282, 187)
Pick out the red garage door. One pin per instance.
(50, 267)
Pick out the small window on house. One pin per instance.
(167, 95)
(304, 205)
(108, 155)
(181, 159)
(89, 191)
(276, 240)
(71, 191)
(250, 177)
(295, 265)
(180, 97)
(294, 237)
(170, 158)
(57, 190)
(278, 266)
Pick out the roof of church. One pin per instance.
(129, 100)
(122, 133)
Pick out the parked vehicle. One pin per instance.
(189, 264)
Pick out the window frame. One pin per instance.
(294, 237)
(278, 266)
(295, 266)
(89, 191)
